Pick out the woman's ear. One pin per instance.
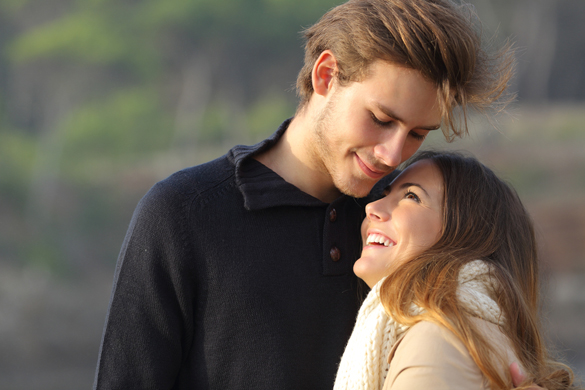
(324, 73)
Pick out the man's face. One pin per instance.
(367, 128)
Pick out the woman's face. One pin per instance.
(407, 221)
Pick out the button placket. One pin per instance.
(341, 236)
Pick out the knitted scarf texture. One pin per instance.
(364, 364)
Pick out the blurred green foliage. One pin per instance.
(123, 127)
(101, 98)
(17, 151)
(92, 91)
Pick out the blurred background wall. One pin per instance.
(99, 99)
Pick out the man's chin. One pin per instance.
(360, 190)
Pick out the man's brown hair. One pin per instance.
(436, 37)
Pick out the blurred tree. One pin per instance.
(93, 90)
(98, 87)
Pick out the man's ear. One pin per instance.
(324, 73)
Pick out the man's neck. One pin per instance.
(296, 160)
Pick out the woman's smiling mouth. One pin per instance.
(378, 239)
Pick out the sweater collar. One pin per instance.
(263, 188)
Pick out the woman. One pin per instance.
(451, 259)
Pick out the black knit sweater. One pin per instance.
(231, 278)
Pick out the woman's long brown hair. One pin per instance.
(483, 218)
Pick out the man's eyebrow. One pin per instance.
(387, 111)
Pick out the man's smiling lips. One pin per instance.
(369, 170)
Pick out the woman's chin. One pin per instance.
(364, 271)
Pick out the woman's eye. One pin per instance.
(412, 195)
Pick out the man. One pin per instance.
(237, 274)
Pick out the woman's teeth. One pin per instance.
(378, 239)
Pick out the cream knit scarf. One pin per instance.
(364, 364)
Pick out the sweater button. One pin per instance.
(335, 253)
(333, 215)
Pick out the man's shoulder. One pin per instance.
(188, 184)
(198, 179)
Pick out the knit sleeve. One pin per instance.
(149, 321)
(431, 357)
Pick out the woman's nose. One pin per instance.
(376, 211)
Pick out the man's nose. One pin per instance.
(389, 151)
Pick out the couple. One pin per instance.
(238, 273)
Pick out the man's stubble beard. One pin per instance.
(324, 153)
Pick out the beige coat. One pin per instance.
(430, 356)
